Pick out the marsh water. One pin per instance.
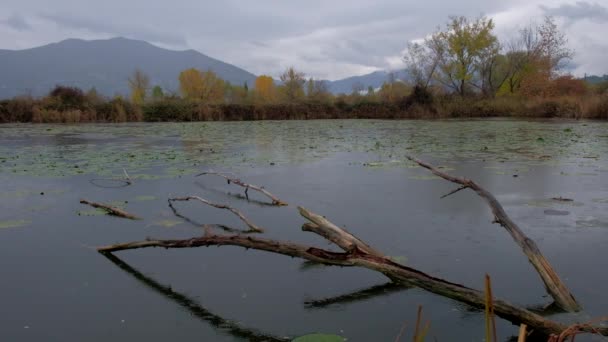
(54, 286)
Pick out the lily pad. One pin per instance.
(167, 223)
(13, 223)
(319, 338)
(92, 212)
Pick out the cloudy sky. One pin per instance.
(325, 39)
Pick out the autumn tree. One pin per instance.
(422, 61)
(318, 91)
(536, 56)
(236, 94)
(202, 86)
(393, 89)
(158, 93)
(293, 84)
(139, 83)
(463, 47)
(265, 89)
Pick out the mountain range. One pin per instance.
(106, 65)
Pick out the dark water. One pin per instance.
(56, 287)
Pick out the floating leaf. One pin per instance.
(319, 338)
(167, 223)
(13, 223)
(92, 212)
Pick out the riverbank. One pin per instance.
(119, 110)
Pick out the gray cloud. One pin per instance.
(141, 32)
(16, 22)
(579, 10)
(325, 39)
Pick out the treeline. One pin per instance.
(462, 70)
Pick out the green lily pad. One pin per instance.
(319, 338)
(167, 223)
(13, 223)
(92, 212)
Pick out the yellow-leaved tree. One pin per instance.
(203, 86)
(139, 83)
(265, 89)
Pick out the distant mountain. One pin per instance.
(103, 64)
(593, 79)
(374, 79)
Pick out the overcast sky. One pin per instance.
(325, 39)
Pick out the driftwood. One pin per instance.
(111, 210)
(275, 200)
(556, 288)
(354, 256)
(252, 226)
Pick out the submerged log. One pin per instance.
(554, 285)
(111, 210)
(275, 200)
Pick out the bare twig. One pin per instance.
(556, 288)
(249, 224)
(521, 337)
(111, 210)
(401, 332)
(207, 225)
(229, 179)
(129, 181)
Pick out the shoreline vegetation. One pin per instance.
(417, 105)
(460, 71)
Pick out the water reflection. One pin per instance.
(218, 322)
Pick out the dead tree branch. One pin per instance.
(275, 200)
(111, 210)
(403, 274)
(556, 288)
(252, 226)
(206, 225)
(339, 236)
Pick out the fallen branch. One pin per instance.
(403, 274)
(238, 182)
(111, 210)
(252, 226)
(206, 225)
(556, 288)
(339, 236)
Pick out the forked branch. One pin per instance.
(229, 179)
(556, 288)
(252, 226)
(111, 210)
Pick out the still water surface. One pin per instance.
(56, 287)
